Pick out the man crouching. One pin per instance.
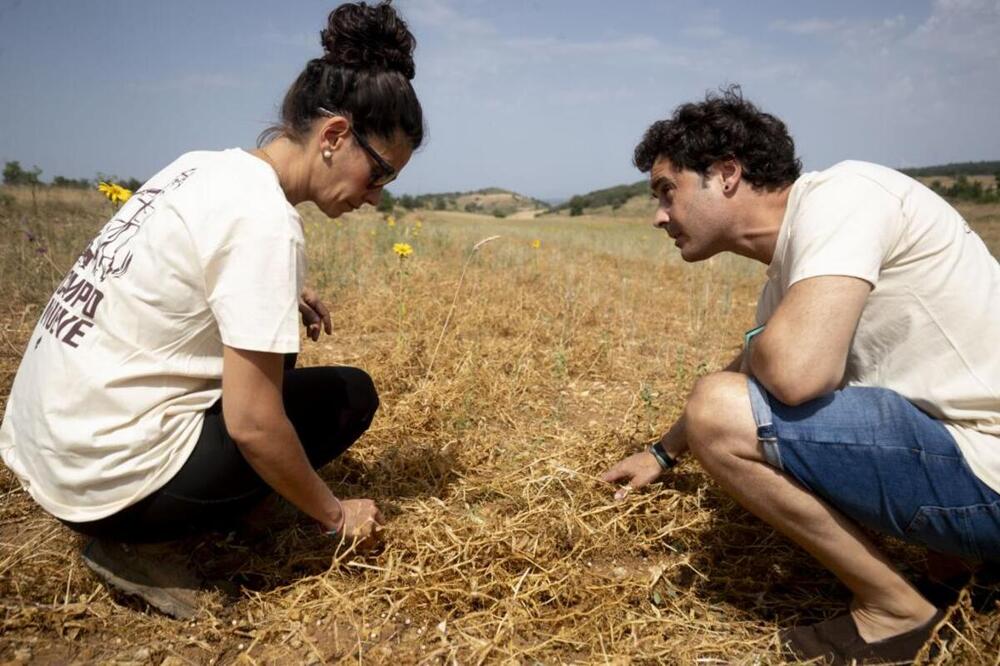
(868, 394)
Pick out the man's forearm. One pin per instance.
(674, 441)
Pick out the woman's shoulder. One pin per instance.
(224, 185)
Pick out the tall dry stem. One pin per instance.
(454, 300)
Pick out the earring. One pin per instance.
(327, 154)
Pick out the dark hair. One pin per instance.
(723, 126)
(364, 74)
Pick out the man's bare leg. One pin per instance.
(723, 436)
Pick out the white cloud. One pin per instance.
(191, 82)
(443, 14)
(306, 41)
(969, 28)
(812, 26)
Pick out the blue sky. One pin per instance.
(545, 97)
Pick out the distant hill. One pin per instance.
(955, 169)
(487, 201)
(614, 197)
(965, 181)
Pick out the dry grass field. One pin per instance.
(501, 545)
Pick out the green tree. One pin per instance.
(13, 174)
(386, 202)
(75, 183)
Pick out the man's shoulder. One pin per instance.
(862, 178)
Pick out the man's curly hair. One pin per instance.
(723, 126)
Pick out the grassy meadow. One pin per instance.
(559, 357)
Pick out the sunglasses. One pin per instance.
(382, 172)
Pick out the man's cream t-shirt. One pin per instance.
(930, 329)
(108, 401)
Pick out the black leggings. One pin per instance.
(330, 407)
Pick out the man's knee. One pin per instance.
(717, 419)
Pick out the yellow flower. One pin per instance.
(115, 193)
(417, 224)
(391, 221)
(536, 243)
(402, 250)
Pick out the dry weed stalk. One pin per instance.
(454, 300)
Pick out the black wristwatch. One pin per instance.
(666, 460)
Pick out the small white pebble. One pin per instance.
(234, 623)
(373, 635)
(406, 621)
(240, 646)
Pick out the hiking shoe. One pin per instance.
(153, 573)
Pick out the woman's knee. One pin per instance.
(362, 396)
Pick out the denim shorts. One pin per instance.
(884, 463)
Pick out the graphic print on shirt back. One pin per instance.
(108, 252)
(71, 310)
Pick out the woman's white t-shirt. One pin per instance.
(108, 401)
(930, 329)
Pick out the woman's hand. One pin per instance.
(314, 314)
(362, 520)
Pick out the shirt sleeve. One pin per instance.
(847, 225)
(253, 280)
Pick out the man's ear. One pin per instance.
(731, 172)
(333, 132)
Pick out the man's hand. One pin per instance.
(314, 314)
(638, 470)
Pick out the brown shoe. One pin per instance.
(837, 641)
(151, 572)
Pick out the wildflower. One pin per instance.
(390, 221)
(402, 250)
(536, 243)
(115, 193)
(417, 224)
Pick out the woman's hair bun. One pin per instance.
(360, 36)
